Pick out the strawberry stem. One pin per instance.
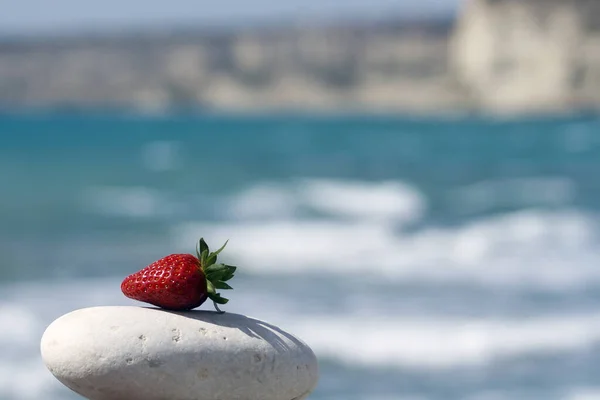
(217, 308)
(216, 274)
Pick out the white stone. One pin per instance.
(131, 353)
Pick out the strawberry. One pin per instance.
(181, 281)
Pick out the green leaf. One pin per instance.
(222, 285)
(218, 299)
(221, 249)
(211, 259)
(211, 269)
(226, 276)
(203, 257)
(216, 276)
(203, 246)
(231, 268)
(198, 252)
(210, 288)
(217, 272)
(230, 272)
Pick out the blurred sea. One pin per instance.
(453, 258)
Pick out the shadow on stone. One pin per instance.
(250, 326)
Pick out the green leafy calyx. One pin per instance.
(217, 275)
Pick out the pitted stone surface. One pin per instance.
(118, 353)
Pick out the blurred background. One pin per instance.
(410, 186)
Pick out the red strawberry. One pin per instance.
(181, 281)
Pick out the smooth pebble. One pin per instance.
(131, 353)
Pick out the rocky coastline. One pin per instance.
(498, 56)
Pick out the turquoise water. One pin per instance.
(420, 258)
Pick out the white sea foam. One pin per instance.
(430, 343)
(381, 202)
(263, 201)
(566, 393)
(26, 380)
(584, 393)
(551, 249)
(361, 225)
(22, 323)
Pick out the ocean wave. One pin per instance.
(381, 202)
(391, 202)
(26, 378)
(584, 393)
(22, 322)
(442, 343)
(387, 201)
(562, 393)
(263, 200)
(353, 227)
(382, 337)
(25, 312)
(542, 248)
